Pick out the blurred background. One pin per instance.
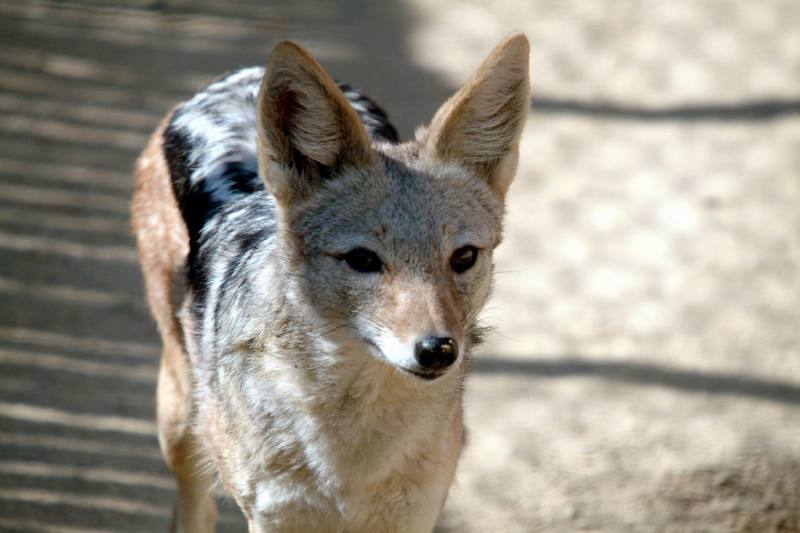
(644, 374)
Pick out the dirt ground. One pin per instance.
(644, 371)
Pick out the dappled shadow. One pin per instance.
(82, 85)
(754, 492)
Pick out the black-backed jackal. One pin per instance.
(316, 284)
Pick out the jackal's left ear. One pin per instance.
(481, 124)
(307, 130)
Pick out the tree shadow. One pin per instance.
(755, 110)
(644, 374)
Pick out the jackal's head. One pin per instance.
(392, 244)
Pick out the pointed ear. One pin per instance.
(481, 124)
(307, 130)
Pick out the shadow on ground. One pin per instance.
(642, 374)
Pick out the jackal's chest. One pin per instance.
(397, 504)
(289, 464)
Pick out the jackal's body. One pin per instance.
(236, 299)
(292, 313)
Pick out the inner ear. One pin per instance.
(308, 131)
(300, 154)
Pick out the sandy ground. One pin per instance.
(644, 374)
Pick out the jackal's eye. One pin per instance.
(363, 260)
(463, 259)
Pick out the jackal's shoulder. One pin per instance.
(210, 143)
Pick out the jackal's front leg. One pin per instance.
(195, 509)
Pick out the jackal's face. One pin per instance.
(392, 244)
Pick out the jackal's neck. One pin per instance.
(367, 415)
(377, 420)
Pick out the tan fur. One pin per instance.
(163, 245)
(413, 307)
(305, 124)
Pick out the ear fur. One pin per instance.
(307, 130)
(481, 124)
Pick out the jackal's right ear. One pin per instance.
(307, 130)
(480, 126)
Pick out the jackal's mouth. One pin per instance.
(429, 375)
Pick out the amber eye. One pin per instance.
(363, 260)
(463, 259)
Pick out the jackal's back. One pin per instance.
(201, 208)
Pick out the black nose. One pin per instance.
(436, 353)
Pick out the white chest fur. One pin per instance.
(365, 449)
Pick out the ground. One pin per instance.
(644, 372)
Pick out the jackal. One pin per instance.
(317, 284)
